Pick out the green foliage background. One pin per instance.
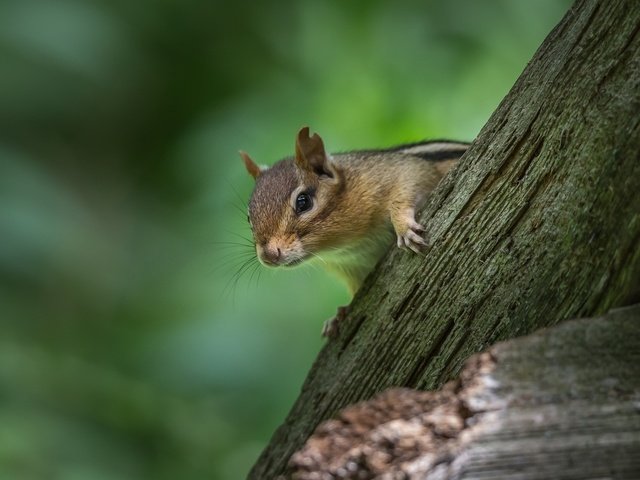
(131, 347)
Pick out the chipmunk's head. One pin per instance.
(290, 210)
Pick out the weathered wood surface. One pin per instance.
(563, 403)
(538, 224)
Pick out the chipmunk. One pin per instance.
(343, 210)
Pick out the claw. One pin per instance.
(408, 231)
(412, 239)
(331, 327)
(416, 227)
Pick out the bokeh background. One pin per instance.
(135, 343)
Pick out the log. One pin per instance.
(563, 403)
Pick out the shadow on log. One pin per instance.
(563, 403)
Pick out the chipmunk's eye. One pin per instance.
(303, 203)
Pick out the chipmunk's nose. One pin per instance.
(270, 254)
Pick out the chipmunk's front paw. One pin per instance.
(331, 327)
(412, 236)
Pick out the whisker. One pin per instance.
(231, 243)
(230, 287)
(229, 268)
(239, 208)
(260, 270)
(240, 236)
(316, 255)
(236, 248)
(240, 255)
(256, 268)
(243, 270)
(242, 201)
(233, 262)
(230, 250)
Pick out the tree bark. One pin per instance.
(561, 403)
(539, 223)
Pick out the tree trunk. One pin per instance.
(539, 223)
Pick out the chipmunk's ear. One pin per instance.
(311, 156)
(251, 166)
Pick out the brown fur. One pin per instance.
(359, 199)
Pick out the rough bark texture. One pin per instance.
(539, 223)
(562, 403)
